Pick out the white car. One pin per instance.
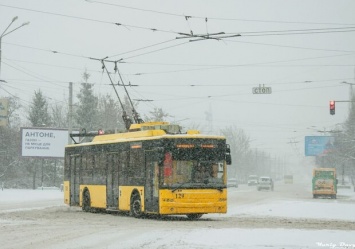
(265, 182)
(232, 182)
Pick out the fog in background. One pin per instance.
(303, 50)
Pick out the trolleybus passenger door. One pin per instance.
(74, 179)
(109, 180)
(112, 180)
(151, 182)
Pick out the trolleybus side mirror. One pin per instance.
(228, 159)
(228, 155)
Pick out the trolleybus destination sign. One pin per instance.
(262, 89)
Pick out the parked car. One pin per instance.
(265, 182)
(232, 182)
(252, 180)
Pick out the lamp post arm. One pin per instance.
(6, 33)
(5, 30)
(26, 23)
(13, 19)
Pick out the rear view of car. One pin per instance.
(265, 182)
(232, 182)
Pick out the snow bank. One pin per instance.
(25, 195)
(338, 209)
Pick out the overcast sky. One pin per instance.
(302, 49)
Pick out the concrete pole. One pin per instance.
(0, 57)
(70, 114)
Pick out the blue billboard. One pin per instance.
(318, 145)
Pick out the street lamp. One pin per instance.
(8, 32)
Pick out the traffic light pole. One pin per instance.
(332, 105)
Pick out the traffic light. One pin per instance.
(332, 107)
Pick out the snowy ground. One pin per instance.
(285, 218)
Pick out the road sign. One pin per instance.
(318, 145)
(262, 90)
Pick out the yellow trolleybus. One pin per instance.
(151, 169)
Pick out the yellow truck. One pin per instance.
(324, 183)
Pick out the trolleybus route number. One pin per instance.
(179, 196)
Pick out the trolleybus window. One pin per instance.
(194, 174)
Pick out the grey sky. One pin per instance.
(303, 70)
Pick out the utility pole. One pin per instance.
(70, 116)
(351, 87)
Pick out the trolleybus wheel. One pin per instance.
(194, 216)
(136, 206)
(86, 201)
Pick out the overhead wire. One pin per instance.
(50, 65)
(238, 65)
(212, 18)
(286, 46)
(157, 50)
(296, 32)
(153, 51)
(89, 19)
(13, 95)
(255, 33)
(48, 50)
(246, 33)
(273, 32)
(31, 74)
(138, 49)
(245, 84)
(35, 77)
(174, 64)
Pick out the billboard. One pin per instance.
(318, 145)
(43, 142)
(4, 106)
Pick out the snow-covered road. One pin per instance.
(285, 218)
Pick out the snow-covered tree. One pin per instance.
(87, 112)
(38, 114)
(110, 114)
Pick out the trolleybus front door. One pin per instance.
(75, 162)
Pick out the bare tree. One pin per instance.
(157, 115)
(59, 115)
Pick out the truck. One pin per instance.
(324, 183)
(252, 180)
(288, 179)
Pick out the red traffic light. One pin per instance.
(332, 107)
